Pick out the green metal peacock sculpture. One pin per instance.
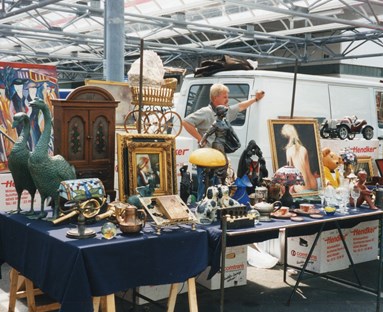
(18, 161)
(48, 171)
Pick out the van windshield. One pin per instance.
(199, 96)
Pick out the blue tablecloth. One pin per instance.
(72, 271)
(269, 230)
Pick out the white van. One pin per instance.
(319, 97)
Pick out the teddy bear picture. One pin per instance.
(331, 163)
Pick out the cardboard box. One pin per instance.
(155, 293)
(363, 241)
(8, 195)
(329, 253)
(235, 270)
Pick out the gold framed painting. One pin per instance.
(365, 163)
(296, 142)
(146, 160)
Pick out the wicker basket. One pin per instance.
(157, 96)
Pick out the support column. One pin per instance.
(114, 40)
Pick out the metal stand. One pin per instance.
(81, 231)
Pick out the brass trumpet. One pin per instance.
(89, 208)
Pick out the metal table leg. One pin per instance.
(223, 253)
(378, 291)
(348, 254)
(306, 263)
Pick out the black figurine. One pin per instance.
(226, 141)
(185, 184)
(255, 169)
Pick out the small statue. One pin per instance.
(231, 175)
(206, 211)
(185, 184)
(226, 141)
(365, 193)
(224, 199)
(18, 161)
(255, 169)
(48, 171)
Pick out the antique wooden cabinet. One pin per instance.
(84, 133)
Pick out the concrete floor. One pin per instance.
(265, 291)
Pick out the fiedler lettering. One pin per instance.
(367, 149)
(367, 230)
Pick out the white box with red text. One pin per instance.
(8, 195)
(329, 254)
(235, 270)
(363, 241)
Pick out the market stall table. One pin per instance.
(73, 271)
(220, 239)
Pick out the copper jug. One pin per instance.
(131, 219)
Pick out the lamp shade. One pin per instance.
(208, 158)
(288, 175)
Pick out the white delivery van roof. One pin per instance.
(276, 74)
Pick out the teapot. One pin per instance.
(130, 219)
(265, 209)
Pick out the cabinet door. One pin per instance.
(102, 135)
(76, 137)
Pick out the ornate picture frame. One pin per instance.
(379, 165)
(283, 133)
(140, 156)
(365, 162)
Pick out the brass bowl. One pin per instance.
(130, 228)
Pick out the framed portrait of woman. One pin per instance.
(146, 161)
(296, 142)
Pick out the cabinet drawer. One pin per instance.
(101, 173)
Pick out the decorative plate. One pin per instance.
(301, 212)
(296, 219)
(287, 215)
(316, 216)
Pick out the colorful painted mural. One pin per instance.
(19, 84)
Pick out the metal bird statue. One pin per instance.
(18, 161)
(48, 171)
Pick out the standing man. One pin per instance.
(200, 121)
